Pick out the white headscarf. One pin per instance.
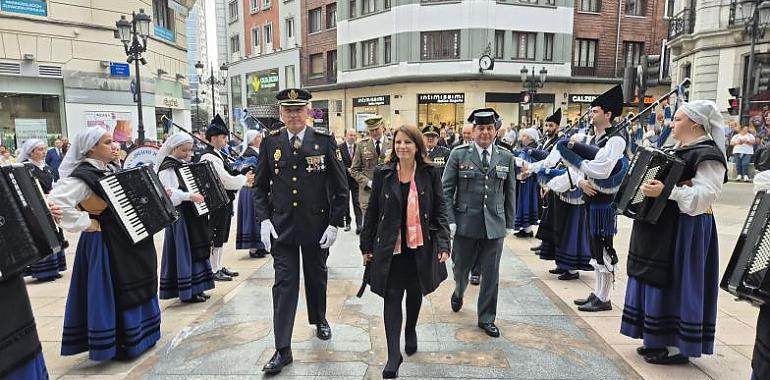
(28, 147)
(80, 145)
(172, 142)
(531, 132)
(706, 113)
(248, 138)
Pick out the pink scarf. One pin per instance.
(413, 225)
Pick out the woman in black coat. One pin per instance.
(405, 238)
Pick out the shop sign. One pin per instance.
(117, 123)
(164, 33)
(169, 102)
(440, 98)
(582, 98)
(647, 100)
(27, 129)
(118, 69)
(369, 101)
(262, 87)
(141, 155)
(27, 7)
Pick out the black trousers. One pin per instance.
(219, 224)
(402, 278)
(353, 186)
(286, 287)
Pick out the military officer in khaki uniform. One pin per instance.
(436, 153)
(370, 152)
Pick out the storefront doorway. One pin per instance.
(441, 110)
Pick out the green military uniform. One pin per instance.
(481, 199)
(366, 159)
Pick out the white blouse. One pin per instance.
(170, 180)
(68, 193)
(230, 182)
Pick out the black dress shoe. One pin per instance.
(280, 359)
(410, 342)
(390, 373)
(230, 273)
(524, 234)
(220, 276)
(490, 329)
(204, 295)
(647, 351)
(583, 301)
(253, 254)
(566, 276)
(261, 253)
(457, 303)
(475, 279)
(557, 271)
(358, 230)
(535, 249)
(195, 299)
(596, 305)
(664, 358)
(323, 331)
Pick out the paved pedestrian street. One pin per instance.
(543, 336)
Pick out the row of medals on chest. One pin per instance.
(315, 163)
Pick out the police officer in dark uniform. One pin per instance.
(438, 154)
(300, 199)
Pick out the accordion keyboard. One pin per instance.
(759, 265)
(192, 187)
(650, 175)
(124, 208)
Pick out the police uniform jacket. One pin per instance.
(300, 193)
(439, 155)
(474, 195)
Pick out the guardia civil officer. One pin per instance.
(300, 199)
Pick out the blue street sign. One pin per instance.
(120, 69)
(28, 7)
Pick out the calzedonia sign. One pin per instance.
(368, 101)
(440, 98)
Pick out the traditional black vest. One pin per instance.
(44, 176)
(600, 197)
(198, 232)
(652, 246)
(19, 342)
(134, 267)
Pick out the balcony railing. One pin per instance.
(681, 24)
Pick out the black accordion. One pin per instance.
(746, 275)
(200, 178)
(28, 232)
(648, 164)
(139, 201)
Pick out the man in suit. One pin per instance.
(370, 152)
(348, 150)
(54, 157)
(480, 188)
(300, 197)
(466, 136)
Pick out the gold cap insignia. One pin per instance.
(293, 94)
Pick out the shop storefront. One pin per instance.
(441, 110)
(514, 113)
(368, 106)
(169, 102)
(25, 116)
(261, 89)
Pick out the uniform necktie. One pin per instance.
(485, 160)
(377, 147)
(296, 143)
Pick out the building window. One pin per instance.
(387, 4)
(331, 64)
(291, 82)
(314, 20)
(590, 6)
(232, 8)
(632, 53)
(254, 5)
(548, 53)
(636, 7)
(163, 15)
(352, 8)
(370, 52)
(524, 45)
(367, 7)
(266, 3)
(499, 44)
(669, 11)
(585, 53)
(317, 65)
(255, 39)
(269, 36)
(386, 44)
(550, 2)
(353, 56)
(235, 44)
(290, 27)
(440, 45)
(331, 16)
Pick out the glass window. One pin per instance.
(353, 55)
(290, 27)
(235, 44)
(524, 45)
(317, 65)
(291, 82)
(636, 7)
(314, 20)
(440, 45)
(256, 40)
(632, 53)
(387, 4)
(370, 52)
(590, 5)
(331, 16)
(163, 16)
(368, 7)
(269, 36)
(352, 8)
(499, 43)
(254, 5)
(266, 4)
(331, 64)
(669, 11)
(585, 53)
(548, 53)
(232, 8)
(235, 90)
(386, 44)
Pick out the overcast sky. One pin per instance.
(211, 32)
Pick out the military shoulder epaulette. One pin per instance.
(277, 131)
(322, 131)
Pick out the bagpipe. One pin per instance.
(239, 165)
(574, 153)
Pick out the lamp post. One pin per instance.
(757, 14)
(532, 83)
(133, 34)
(213, 80)
(198, 102)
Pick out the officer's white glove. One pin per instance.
(369, 184)
(452, 230)
(266, 230)
(329, 237)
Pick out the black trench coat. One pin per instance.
(383, 220)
